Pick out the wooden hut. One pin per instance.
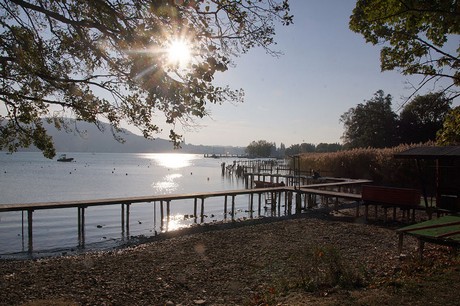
(447, 178)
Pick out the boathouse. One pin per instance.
(446, 181)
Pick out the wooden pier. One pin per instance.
(165, 202)
(219, 155)
(273, 199)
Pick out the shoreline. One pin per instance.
(260, 262)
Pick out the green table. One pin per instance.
(444, 230)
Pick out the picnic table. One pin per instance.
(444, 230)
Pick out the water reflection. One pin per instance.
(176, 222)
(172, 160)
(167, 185)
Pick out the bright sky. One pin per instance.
(299, 97)
(325, 70)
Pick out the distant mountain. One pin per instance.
(86, 137)
(89, 138)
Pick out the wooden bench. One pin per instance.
(404, 198)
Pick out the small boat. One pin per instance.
(262, 184)
(64, 158)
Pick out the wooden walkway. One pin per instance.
(163, 200)
(327, 190)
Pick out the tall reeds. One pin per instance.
(378, 165)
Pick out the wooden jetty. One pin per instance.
(164, 201)
(275, 199)
(220, 155)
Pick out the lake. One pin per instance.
(30, 178)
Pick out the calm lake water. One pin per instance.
(30, 178)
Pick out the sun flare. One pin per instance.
(179, 52)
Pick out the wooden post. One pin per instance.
(260, 203)
(82, 226)
(278, 198)
(251, 208)
(154, 216)
(225, 207)
(127, 219)
(79, 225)
(161, 214)
(233, 207)
(30, 231)
(22, 229)
(298, 203)
(202, 210)
(122, 220)
(168, 210)
(194, 209)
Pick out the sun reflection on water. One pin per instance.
(167, 185)
(176, 222)
(172, 160)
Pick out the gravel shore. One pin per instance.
(228, 265)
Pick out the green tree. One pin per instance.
(107, 60)
(372, 124)
(418, 37)
(449, 135)
(328, 147)
(300, 148)
(260, 148)
(421, 119)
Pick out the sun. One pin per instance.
(179, 52)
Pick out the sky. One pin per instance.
(299, 97)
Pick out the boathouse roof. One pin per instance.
(447, 152)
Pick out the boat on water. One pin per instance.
(64, 158)
(262, 184)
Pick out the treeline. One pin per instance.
(263, 148)
(425, 118)
(374, 124)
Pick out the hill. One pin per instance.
(86, 137)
